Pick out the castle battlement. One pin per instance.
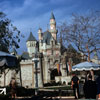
(26, 62)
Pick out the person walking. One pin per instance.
(75, 86)
(98, 86)
(90, 88)
(13, 88)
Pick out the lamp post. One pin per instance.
(36, 60)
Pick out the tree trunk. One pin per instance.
(4, 78)
(88, 57)
(5, 73)
(20, 76)
(88, 51)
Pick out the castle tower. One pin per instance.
(53, 29)
(95, 55)
(40, 34)
(95, 58)
(40, 38)
(31, 44)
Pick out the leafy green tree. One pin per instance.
(9, 34)
(83, 32)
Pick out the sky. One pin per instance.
(29, 15)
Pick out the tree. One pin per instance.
(9, 34)
(83, 32)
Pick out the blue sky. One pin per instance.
(29, 15)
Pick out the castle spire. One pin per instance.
(31, 37)
(31, 44)
(53, 29)
(40, 33)
(52, 16)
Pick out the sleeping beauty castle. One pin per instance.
(51, 64)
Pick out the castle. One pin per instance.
(49, 54)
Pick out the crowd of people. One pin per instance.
(91, 86)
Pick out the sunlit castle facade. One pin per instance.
(50, 64)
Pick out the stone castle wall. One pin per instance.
(26, 73)
(6, 78)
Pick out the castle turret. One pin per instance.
(31, 44)
(53, 29)
(95, 58)
(40, 33)
(95, 55)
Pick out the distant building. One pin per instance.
(95, 58)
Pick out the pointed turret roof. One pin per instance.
(40, 28)
(52, 16)
(31, 37)
(47, 37)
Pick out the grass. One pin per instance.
(68, 87)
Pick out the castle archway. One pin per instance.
(54, 73)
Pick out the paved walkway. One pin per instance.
(59, 98)
(66, 98)
(55, 98)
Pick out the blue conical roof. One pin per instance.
(52, 16)
(31, 37)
